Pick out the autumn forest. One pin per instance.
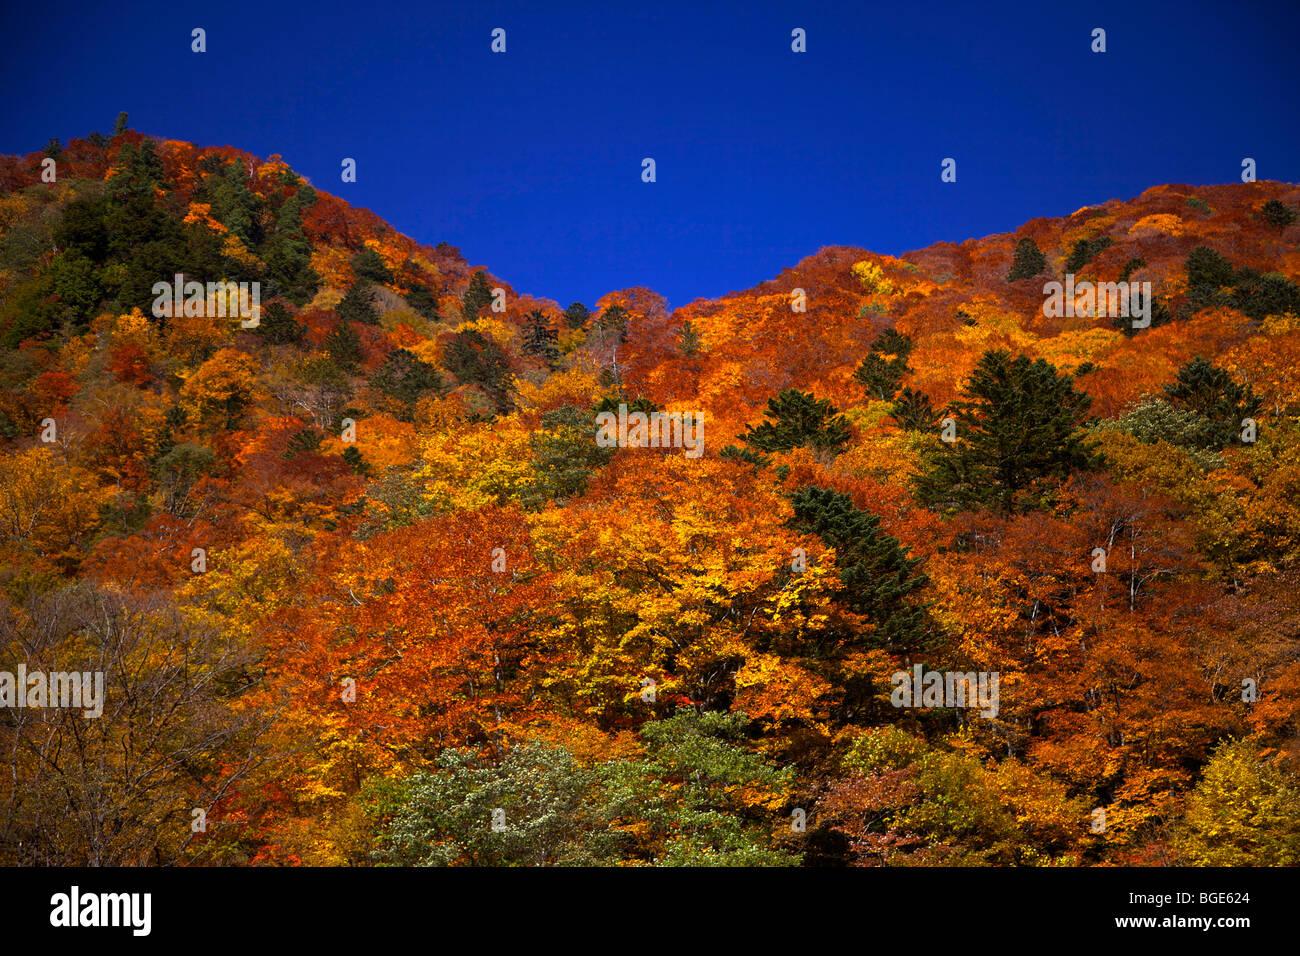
(405, 566)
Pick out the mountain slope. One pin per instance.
(370, 578)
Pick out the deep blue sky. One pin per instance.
(530, 161)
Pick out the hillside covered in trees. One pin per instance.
(365, 588)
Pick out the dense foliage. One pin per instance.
(366, 589)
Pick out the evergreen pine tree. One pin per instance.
(478, 295)
(1028, 262)
(746, 454)
(1210, 392)
(357, 305)
(914, 412)
(344, 346)
(355, 460)
(369, 264)
(405, 377)
(1084, 250)
(476, 359)
(1017, 428)
(287, 253)
(892, 342)
(614, 318)
(1262, 295)
(576, 315)
(1132, 266)
(799, 419)
(305, 441)
(234, 205)
(422, 301)
(278, 327)
(879, 577)
(1160, 315)
(1277, 214)
(539, 337)
(882, 371)
(880, 376)
(690, 339)
(1207, 273)
(138, 172)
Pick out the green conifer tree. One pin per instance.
(540, 338)
(478, 295)
(344, 346)
(799, 419)
(357, 305)
(880, 579)
(1028, 261)
(1018, 430)
(1210, 392)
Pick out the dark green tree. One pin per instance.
(610, 403)
(914, 412)
(478, 295)
(892, 342)
(353, 458)
(748, 455)
(369, 264)
(880, 376)
(405, 377)
(798, 419)
(357, 304)
(1028, 261)
(1132, 266)
(1018, 431)
(83, 228)
(138, 171)
(76, 283)
(287, 252)
(882, 371)
(576, 315)
(1160, 315)
(305, 441)
(1083, 251)
(344, 346)
(277, 326)
(540, 338)
(478, 360)
(613, 318)
(1207, 272)
(234, 205)
(564, 457)
(879, 578)
(1210, 392)
(689, 341)
(422, 301)
(1260, 295)
(1277, 214)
